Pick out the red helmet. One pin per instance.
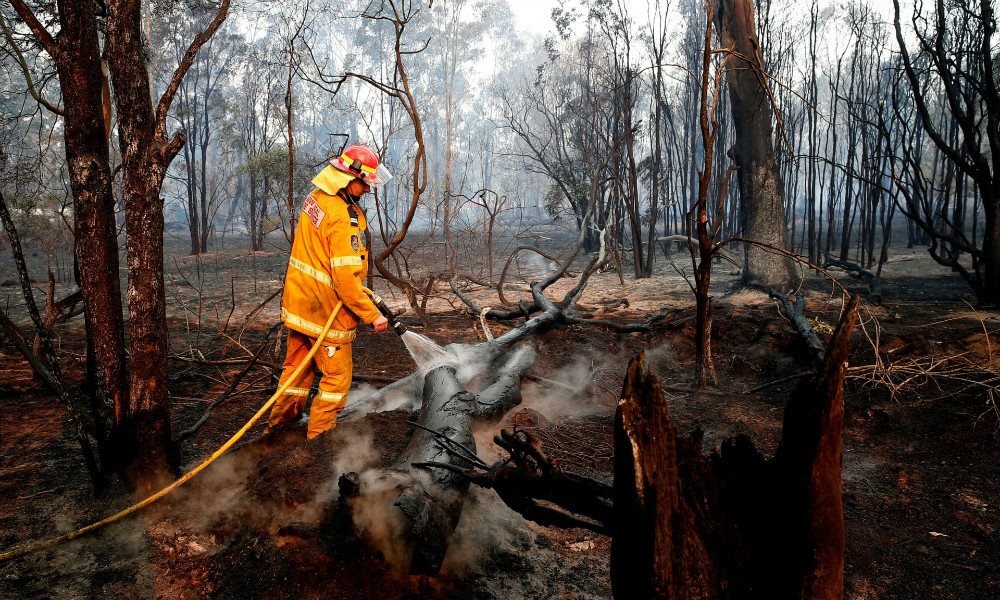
(362, 162)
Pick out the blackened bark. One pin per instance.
(434, 507)
(426, 501)
(971, 97)
(808, 463)
(731, 524)
(144, 157)
(655, 551)
(761, 191)
(77, 56)
(505, 391)
(146, 154)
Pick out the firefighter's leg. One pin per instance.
(335, 363)
(290, 405)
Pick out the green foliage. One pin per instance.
(273, 164)
(37, 218)
(554, 201)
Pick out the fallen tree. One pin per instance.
(684, 525)
(873, 281)
(795, 310)
(422, 495)
(540, 315)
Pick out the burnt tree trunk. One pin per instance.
(427, 486)
(433, 499)
(761, 191)
(77, 57)
(656, 550)
(144, 157)
(146, 154)
(731, 524)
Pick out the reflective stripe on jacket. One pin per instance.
(329, 262)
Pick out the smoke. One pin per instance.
(360, 400)
(565, 394)
(376, 517)
(472, 359)
(663, 355)
(537, 263)
(356, 454)
(487, 528)
(219, 489)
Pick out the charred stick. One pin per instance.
(796, 312)
(874, 281)
(232, 387)
(452, 447)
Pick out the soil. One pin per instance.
(920, 467)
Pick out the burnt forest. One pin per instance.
(623, 299)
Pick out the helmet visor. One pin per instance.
(377, 177)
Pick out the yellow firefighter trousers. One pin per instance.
(334, 362)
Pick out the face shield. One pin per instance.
(377, 177)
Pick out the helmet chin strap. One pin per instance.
(349, 197)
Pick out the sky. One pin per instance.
(534, 16)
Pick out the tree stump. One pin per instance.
(731, 524)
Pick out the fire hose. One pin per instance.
(52, 542)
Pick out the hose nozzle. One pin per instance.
(398, 327)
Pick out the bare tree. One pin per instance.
(761, 190)
(703, 226)
(955, 56)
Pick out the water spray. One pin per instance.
(426, 353)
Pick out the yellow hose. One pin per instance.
(44, 544)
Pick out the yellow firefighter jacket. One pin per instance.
(329, 262)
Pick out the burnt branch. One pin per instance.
(874, 281)
(163, 107)
(795, 310)
(232, 387)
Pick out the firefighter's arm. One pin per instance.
(345, 265)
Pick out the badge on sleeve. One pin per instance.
(311, 209)
(355, 243)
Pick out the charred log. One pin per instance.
(808, 462)
(873, 281)
(731, 525)
(432, 501)
(505, 392)
(657, 551)
(427, 486)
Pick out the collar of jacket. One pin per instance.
(331, 181)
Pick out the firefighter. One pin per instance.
(328, 263)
